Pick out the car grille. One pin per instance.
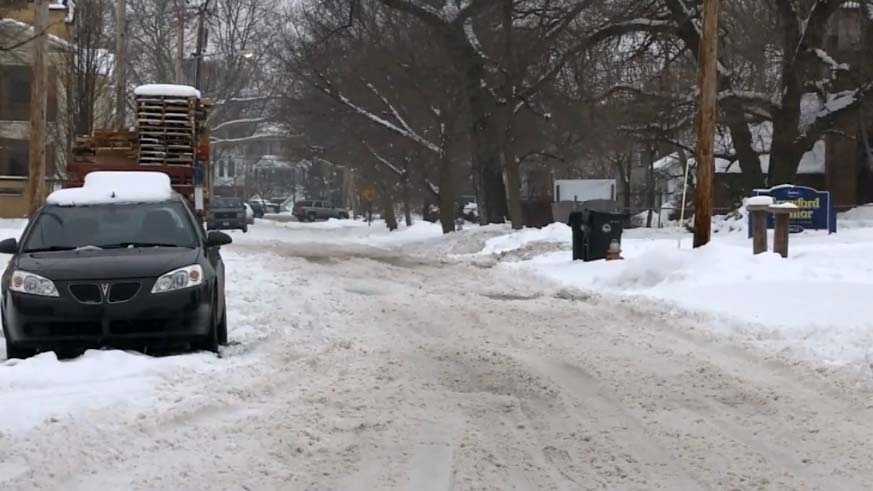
(86, 293)
(91, 293)
(122, 292)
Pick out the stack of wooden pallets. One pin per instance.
(167, 128)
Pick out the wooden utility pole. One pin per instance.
(180, 41)
(38, 103)
(706, 120)
(201, 44)
(120, 65)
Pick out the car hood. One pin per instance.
(107, 264)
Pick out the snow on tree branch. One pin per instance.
(237, 122)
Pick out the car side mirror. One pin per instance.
(216, 239)
(9, 246)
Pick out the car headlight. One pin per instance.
(32, 284)
(178, 279)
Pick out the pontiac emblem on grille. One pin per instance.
(104, 287)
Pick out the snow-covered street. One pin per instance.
(363, 360)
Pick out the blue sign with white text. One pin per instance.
(815, 210)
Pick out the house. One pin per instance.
(727, 182)
(258, 164)
(16, 28)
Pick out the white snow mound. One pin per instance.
(115, 187)
(168, 90)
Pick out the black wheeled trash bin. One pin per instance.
(593, 232)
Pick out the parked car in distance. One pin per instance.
(132, 272)
(227, 214)
(257, 208)
(310, 211)
(250, 214)
(277, 205)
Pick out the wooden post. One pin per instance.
(759, 227)
(180, 41)
(201, 45)
(120, 65)
(758, 207)
(38, 101)
(706, 120)
(780, 238)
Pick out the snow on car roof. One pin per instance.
(167, 90)
(116, 188)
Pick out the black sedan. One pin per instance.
(137, 275)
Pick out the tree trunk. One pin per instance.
(750, 162)
(38, 95)
(485, 128)
(511, 163)
(785, 153)
(447, 195)
(407, 208)
(513, 184)
(120, 61)
(626, 181)
(388, 211)
(650, 185)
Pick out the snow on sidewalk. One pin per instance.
(342, 232)
(818, 301)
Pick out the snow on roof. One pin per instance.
(170, 90)
(24, 26)
(812, 162)
(116, 188)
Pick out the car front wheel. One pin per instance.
(13, 351)
(221, 330)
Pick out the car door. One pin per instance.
(321, 211)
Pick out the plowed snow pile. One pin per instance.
(818, 301)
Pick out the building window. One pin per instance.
(15, 93)
(14, 158)
(231, 168)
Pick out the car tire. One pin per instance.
(310, 217)
(13, 351)
(344, 216)
(208, 342)
(245, 229)
(221, 330)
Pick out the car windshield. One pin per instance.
(227, 203)
(111, 226)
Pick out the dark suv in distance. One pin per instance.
(227, 214)
(134, 275)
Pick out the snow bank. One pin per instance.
(817, 302)
(355, 232)
(553, 233)
(116, 187)
(97, 379)
(168, 90)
